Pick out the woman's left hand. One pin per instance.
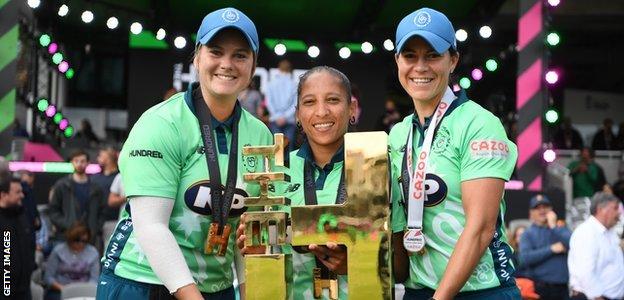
(332, 255)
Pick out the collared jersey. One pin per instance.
(327, 180)
(469, 143)
(164, 157)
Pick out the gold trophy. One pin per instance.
(266, 276)
(361, 223)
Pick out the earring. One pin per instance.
(352, 120)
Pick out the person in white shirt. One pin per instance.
(595, 260)
(117, 196)
(281, 99)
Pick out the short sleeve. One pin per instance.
(150, 160)
(485, 150)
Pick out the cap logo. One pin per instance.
(422, 19)
(230, 16)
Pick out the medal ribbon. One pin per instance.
(221, 201)
(417, 193)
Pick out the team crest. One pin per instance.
(422, 19)
(230, 15)
(198, 199)
(442, 140)
(249, 162)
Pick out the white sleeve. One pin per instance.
(150, 218)
(116, 187)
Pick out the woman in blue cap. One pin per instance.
(182, 169)
(449, 162)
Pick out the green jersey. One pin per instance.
(327, 180)
(469, 143)
(164, 157)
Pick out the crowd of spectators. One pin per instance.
(64, 245)
(552, 262)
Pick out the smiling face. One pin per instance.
(224, 65)
(423, 73)
(324, 110)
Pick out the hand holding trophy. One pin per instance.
(337, 198)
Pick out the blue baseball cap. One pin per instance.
(539, 199)
(429, 24)
(227, 18)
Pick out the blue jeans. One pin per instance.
(289, 130)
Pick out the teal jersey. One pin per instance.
(327, 181)
(164, 157)
(469, 143)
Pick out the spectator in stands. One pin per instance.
(604, 139)
(117, 196)
(619, 139)
(76, 198)
(587, 176)
(107, 159)
(390, 117)
(514, 242)
(595, 260)
(251, 98)
(29, 202)
(19, 131)
(86, 133)
(618, 185)
(567, 137)
(15, 228)
(73, 261)
(281, 99)
(543, 248)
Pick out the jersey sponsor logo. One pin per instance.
(503, 260)
(442, 140)
(292, 187)
(436, 190)
(197, 198)
(489, 148)
(146, 153)
(422, 19)
(230, 16)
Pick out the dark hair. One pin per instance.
(342, 78)
(6, 178)
(76, 231)
(590, 150)
(78, 152)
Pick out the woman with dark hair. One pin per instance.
(449, 160)
(74, 260)
(324, 112)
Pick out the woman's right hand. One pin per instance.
(240, 240)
